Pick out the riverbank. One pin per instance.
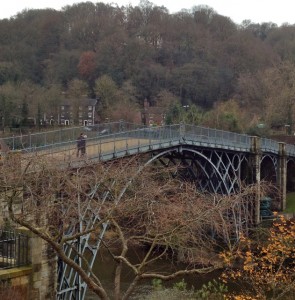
(290, 207)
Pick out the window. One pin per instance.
(89, 115)
(89, 108)
(62, 107)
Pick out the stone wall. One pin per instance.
(39, 280)
(15, 283)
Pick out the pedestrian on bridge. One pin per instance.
(81, 145)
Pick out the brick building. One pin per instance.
(81, 112)
(152, 115)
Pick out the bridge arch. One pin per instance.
(291, 175)
(268, 168)
(212, 170)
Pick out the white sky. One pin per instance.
(257, 11)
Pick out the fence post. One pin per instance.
(30, 140)
(182, 131)
(100, 154)
(114, 141)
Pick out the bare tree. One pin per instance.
(139, 205)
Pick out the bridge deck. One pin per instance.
(123, 141)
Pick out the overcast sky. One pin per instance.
(258, 11)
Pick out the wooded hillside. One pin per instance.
(231, 76)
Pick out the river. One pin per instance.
(104, 268)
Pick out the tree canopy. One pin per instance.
(196, 55)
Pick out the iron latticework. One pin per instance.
(70, 285)
(212, 170)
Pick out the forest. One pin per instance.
(230, 76)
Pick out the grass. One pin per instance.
(290, 207)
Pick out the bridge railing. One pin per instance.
(143, 139)
(140, 139)
(269, 145)
(217, 137)
(290, 149)
(122, 136)
(156, 133)
(47, 138)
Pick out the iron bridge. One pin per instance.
(217, 161)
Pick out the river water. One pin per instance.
(104, 268)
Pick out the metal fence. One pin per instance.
(107, 135)
(30, 142)
(217, 137)
(13, 249)
(269, 145)
(290, 149)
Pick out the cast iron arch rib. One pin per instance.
(221, 172)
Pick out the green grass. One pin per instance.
(290, 207)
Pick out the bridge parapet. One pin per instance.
(115, 137)
(219, 138)
(268, 145)
(290, 150)
(63, 135)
